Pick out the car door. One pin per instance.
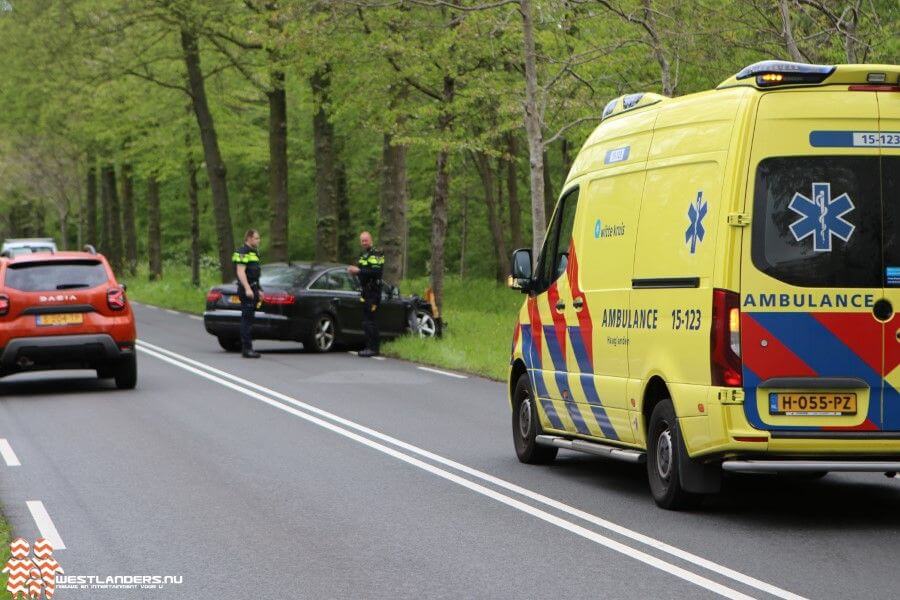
(559, 350)
(348, 302)
(889, 140)
(337, 291)
(812, 272)
(391, 316)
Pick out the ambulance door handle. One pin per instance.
(560, 306)
(578, 303)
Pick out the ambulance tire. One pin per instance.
(526, 426)
(664, 460)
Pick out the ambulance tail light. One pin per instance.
(725, 340)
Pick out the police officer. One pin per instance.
(368, 268)
(246, 263)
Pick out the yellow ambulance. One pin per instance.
(718, 284)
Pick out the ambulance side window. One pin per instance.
(555, 253)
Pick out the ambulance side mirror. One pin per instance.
(520, 269)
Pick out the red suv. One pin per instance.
(65, 310)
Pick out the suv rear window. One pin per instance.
(817, 221)
(56, 275)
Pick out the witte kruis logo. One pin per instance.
(31, 578)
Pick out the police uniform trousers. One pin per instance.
(248, 311)
(370, 327)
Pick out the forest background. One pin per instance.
(159, 130)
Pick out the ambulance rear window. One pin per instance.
(817, 221)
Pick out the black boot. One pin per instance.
(250, 353)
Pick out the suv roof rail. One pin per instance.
(90, 249)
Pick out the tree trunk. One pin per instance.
(394, 200)
(105, 217)
(440, 200)
(90, 216)
(512, 192)
(194, 209)
(326, 195)
(128, 225)
(114, 251)
(154, 241)
(342, 200)
(533, 129)
(278, 169)
(549, 196)
(787, 32)
(483, 164)
(565, 152)
(464, 235)
(215, 166)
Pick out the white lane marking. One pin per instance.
(475, 487)
(8, 455)
(540, 498)
(45, 524)
(439, 372)
(150, 306)
(379, 358)
(195, 317)
(172, 312)
(353, 352)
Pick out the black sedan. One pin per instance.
(317, 304)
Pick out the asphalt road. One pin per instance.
(307, 476)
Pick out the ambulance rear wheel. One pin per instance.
(526, 426)
(664, 460)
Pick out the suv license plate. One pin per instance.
(812, 404)
(60, 319)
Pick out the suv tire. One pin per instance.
(125, 373)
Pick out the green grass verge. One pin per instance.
(480, 315)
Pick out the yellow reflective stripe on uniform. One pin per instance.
(243, 259)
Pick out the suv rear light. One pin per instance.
(4, 305)
(278, 298)
(115, 298)
(213, 296)
(725, 340)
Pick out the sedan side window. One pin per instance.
(325, 282)
(343, 281)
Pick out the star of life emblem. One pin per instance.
(821, 217)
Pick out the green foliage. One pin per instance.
(480, 316)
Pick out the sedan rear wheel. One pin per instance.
(425, 325)
(323, 335)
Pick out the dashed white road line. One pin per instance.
(172, 312)
(195, 317)
(439, 372)
(379, 358)
(252, 390)
(8, 455)
(45, 524)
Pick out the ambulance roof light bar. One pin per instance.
(769, 73)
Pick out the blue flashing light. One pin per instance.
(780, 72)
(609, 108)
(631, 100)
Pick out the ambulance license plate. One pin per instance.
(60, 319)
(234, 299)
(814, 404)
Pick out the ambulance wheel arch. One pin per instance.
(517, 369)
